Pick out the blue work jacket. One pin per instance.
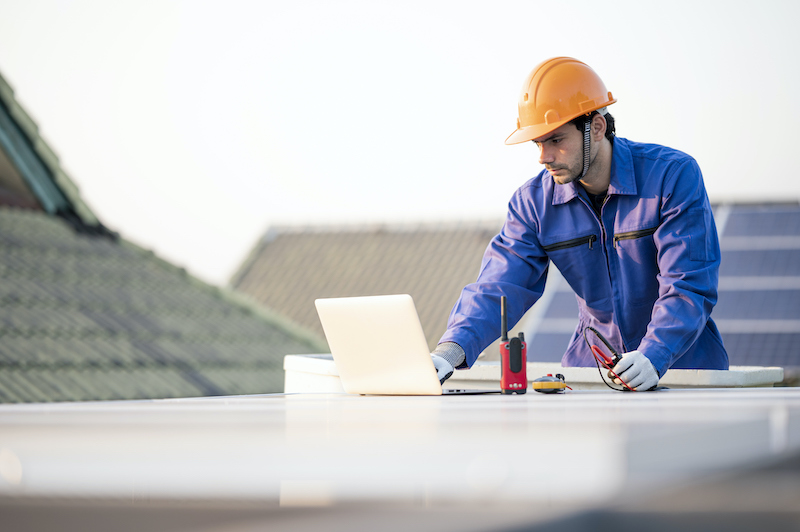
(645, 271)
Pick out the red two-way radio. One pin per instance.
(513, 357)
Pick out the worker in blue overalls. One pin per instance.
(627, 224)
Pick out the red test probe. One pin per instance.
(603, 359)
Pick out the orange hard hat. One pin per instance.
(555, 92)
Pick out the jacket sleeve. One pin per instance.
(514, 265)
(688, 258)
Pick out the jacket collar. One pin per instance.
(623, 180)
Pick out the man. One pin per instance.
(628, 225)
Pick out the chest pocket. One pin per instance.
(637, 255)
(633, 235)
(581, 263)
(573, 243)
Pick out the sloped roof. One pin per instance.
(292, 266)
(30, 157)
(85, 315)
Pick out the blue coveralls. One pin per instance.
(645, 272)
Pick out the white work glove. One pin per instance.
(637, 371)
(446, 357)
(443, 368)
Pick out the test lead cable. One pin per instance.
(602, 358)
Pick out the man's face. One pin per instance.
(561, 152)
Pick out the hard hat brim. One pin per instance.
(527, 133)
(524, 134)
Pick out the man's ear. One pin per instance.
(599, 126)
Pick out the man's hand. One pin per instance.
(637, 371)
(443, 368)
(446, 357)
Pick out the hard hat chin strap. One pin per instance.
(587, 146)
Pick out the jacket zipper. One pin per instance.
(575, 242)
(604, 236)
(630, 235)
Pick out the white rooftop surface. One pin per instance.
(574, 450)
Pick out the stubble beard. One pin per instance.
(564, 179)
(567, 173)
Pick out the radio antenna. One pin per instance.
(503, 320)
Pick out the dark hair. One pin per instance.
(610, 129)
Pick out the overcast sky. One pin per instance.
(191, 127)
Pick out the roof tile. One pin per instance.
(84, 317)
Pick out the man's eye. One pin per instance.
(555, 141)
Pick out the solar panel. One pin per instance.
(764, 220)
(758, 305)
(767, 349)
(548, 347)
(771, 262)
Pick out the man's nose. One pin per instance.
(545, 155)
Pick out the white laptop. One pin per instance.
(379, 347)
